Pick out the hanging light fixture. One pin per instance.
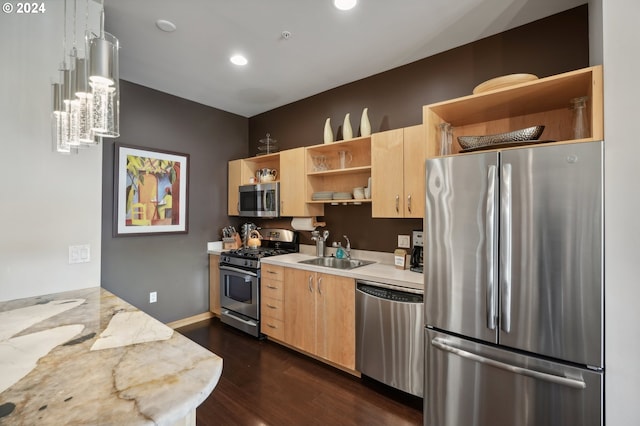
(86, 102)
(104, 82)
(59, 121)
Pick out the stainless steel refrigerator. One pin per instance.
(514, 287)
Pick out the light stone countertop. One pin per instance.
(383, 271)
(376, 272)
(88, 357)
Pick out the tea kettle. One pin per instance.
(266, 175)
(253, 241)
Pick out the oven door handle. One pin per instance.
(238, 270)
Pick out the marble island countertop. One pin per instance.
(88, 357)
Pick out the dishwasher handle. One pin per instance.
(387, 292)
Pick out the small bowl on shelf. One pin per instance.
(528, 134)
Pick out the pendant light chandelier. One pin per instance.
(86, 104)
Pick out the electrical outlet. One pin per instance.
(404, 241)
(153, 297)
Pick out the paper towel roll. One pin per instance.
(303, 223)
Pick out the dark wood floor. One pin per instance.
(264, 383)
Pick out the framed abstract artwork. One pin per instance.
(151, 191)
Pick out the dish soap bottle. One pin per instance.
(340, 254)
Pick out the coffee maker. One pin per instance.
(417, 251)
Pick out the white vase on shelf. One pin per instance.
(328, 133)
(347, 131)
(365, 125)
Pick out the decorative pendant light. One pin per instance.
(59, 121)
(104, 82)
(86, 102)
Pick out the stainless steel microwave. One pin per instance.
(261, 200)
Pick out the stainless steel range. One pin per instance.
(240, 278)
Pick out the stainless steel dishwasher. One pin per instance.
(390, 335)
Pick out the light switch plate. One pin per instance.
(153, 297)
(79, 254)
(404, 241)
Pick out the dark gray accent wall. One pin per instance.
(176, 266)
(395, 98)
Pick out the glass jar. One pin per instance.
(580, 119)
(446, 134)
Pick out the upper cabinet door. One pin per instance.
(235, 180)
(387, 187)
(415, 154)
(292, 175)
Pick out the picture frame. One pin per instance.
(151, 189)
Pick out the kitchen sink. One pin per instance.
(333, 262)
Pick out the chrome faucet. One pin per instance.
(347, 249)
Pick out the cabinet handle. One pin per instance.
(271, 326)
(271, 306)
(272, 287)
(271, 272)
(310, 283)
(282, 206)
(319, 285)
(397, 204)
(238, 206)
(409, 202)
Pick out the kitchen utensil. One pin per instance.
(504, 81)
(266, 175)
(245, 229)
(358, 193)
(319, 163)
(342, 196)
(580, 122)
(530, 133)
(446, 134)
(345, 158)
(254, 240)
(267, 145)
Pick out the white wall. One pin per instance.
(621, 40)
(49, 201)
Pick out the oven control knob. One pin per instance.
(246, 263)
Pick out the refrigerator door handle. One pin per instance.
(564, 381)
(505, 249)
(490, 249)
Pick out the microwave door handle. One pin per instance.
(490, 221)
(505, 248)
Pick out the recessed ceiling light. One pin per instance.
(345, 4)
(165, 25)
(238, 60)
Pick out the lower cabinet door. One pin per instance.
(335, 319)
(300, 312)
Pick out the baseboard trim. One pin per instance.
(191, 320)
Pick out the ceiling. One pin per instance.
(327, 47)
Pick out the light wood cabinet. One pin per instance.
(397, 179)
(234, 181)
(356, 172)
(293, 185)
(272, 301)
(539, 102)
(214, 284)
(291, 168)
(320, 315)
